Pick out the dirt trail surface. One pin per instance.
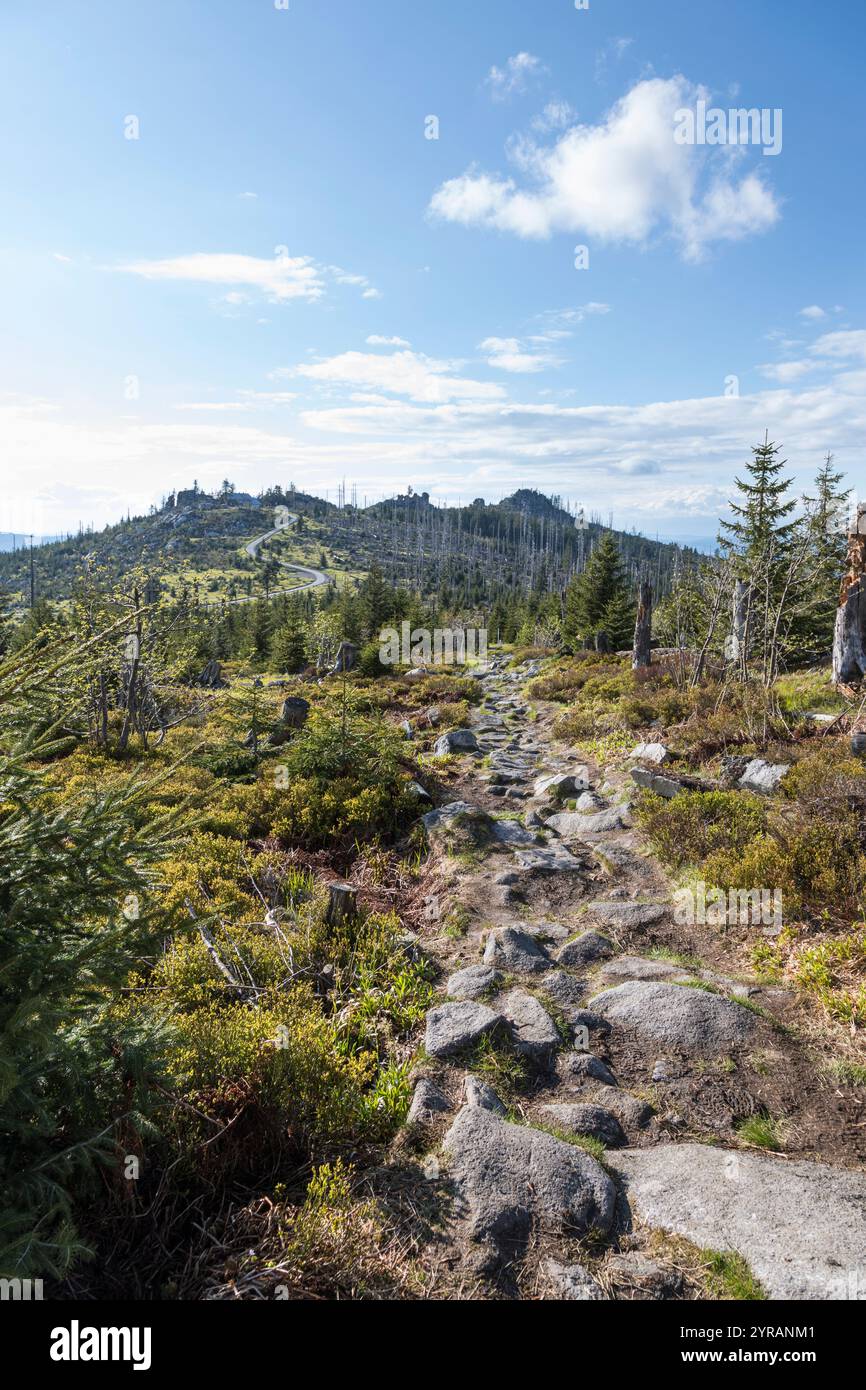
(589, 1064)
(312, 578)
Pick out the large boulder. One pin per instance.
(573, 825)
(452, 1028)
(456, 741)
(676, 1015)
(763, 777)
(562, 784)
(511, 1179)
(801, 1226)
(651, 753)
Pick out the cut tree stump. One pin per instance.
(849, 641)
(342, 903)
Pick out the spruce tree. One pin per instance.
(289, 647)
(599, 601)
(75, 915)
(828, 549)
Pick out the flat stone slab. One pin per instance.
(515, 951)
(474, 980)
(627, 915)
(638, 968)
(584, 950)
(573, 825)
(800, 1226)
(587, 1120)
(550, 859)
(453, 1027)
(535, 1032)
(676, 1015)
(510, 1179)
(511, 832)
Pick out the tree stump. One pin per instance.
(342, 903)
(294, 711)
(642, 650)
(849, 641)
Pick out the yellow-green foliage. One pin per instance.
(692, 825)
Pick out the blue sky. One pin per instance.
(282, 279)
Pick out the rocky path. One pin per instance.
(583, 1085)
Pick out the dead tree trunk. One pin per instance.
(642, 650)
(849, 640)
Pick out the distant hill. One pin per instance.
(526, 542)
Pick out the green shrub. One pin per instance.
(693, 825)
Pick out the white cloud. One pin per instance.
(843, 343)
(402, 373)
(622, 180)
(813, 311)
(247, 400)
(514, 77)
(377, 340)
(653, 464)
(785, 372)
(510, 355)
(282, 279)
(555, 116)
(64, 260)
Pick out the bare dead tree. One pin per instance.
(849, 640)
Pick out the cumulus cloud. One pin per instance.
(403, 373)
(503, 83)
(813, 311)
(621, 180)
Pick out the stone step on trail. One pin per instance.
(800, 1226)
(676, 1016)
(511, 1180)
(585, 1120)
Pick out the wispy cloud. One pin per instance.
(519, 70)
(377, 340)
(280, 279)
(402, 373)
(511, 354)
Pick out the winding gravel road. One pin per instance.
(314, 578)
